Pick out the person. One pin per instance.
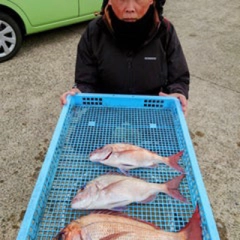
(131, 49)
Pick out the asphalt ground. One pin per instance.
(32, 82)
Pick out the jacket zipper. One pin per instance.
(130, 73)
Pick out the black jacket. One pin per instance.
(104, 67)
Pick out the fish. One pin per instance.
(108, 225)
(127, 156)
(114, 191)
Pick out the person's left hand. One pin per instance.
(180, 97)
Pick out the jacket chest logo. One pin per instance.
(150, 58)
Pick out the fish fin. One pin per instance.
(149, 199)
(172, 188)
(114, 236)
(111, 185)
(128, 152)
(172, 161)
(193, 229)
(119, 205)
(127, 165)
(124, 171)
(124, 215)
(107, 212)
(131, 147)
(154, 165)
(120, 208)
(85, 235)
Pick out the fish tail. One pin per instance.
(172, 188)
(172, 161)
(193, 229)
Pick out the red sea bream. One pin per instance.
(117, 226)
(127, 156)
(115, 191)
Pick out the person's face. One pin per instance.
(130, 10)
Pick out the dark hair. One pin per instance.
(159, 5)
(104, 4)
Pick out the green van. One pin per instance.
(23, 17)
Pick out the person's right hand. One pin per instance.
(72, 92)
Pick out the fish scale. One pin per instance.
(123, 231)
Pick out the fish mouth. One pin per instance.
(74, 203)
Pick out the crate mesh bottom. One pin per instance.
(92, 127)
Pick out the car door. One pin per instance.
(87, 7)
(41, 12)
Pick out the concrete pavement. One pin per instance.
(32, 82)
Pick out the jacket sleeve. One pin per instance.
(178, 73)
(86, 65)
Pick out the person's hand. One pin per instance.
(180, 97)
(72, 92)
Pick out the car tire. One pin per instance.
(10, 37)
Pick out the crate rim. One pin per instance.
(35, 196)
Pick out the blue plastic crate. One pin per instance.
(89, 121)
